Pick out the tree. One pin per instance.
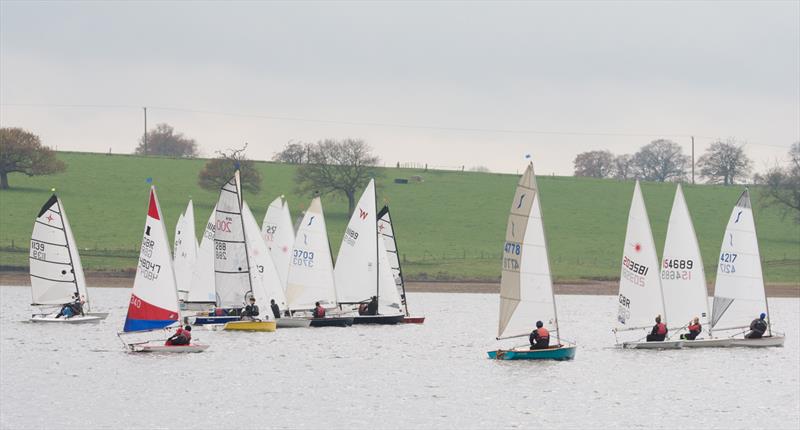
(22, 152)
(662, 160)
(220, 170)
(337, 166)
(783, 184)
(163, 140)
(293, 153)
(623, 167)
(594, 164)
(724, 162)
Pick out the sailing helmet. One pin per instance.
(539, 324)
(763, 315)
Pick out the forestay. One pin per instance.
(185, 251)
(278, 232)
(356, 269)
(739, 292)
(55, 266)
(683, 278)
(310, 277)
(266, 283)
(201, 288)
(386, 231)
(231, 263)
(526, 287)
(154, 299)
(640, 295)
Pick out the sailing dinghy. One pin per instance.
(526, 285)
(278, 232)
(387, 232)
(55, 268)
(310, 278)
(362, 270)
(640, 295)
(232, 266)
(153, 306)
(739, 294)
(683, 278)
(185, 251)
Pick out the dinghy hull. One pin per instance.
(214, 320)
(168, 349)
(667, 344)
(413, 320)
(332, 322)
(250, 326)
(707, 343)
(378, 319)
(293, 322)
(555, 353)
(86, 319)
(763, 342)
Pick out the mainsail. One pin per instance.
(201, 288)
(231, 262)
(386, 231)
(640, 296)
(154, 299)
(389, 302)
(683, 278)
(185, 253)
(55, 266)
(266, 282)
(278, 232)
(310, 277)
(356, 269)
(739, 292)
(526, 286)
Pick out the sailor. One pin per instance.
(75, 307)
(694, 328)
(659, 332)
(276, 311)
(182, 336)
(250, 311)
(362, 309)
(372, 306)
(539, 338)
(319, 311)
(757, 327)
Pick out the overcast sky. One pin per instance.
(447, 84)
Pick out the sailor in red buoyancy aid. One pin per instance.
(182, 336)
(539, 338)
(319, 311)
(659, 332)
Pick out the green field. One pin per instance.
(449, 227)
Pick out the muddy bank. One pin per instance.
(607, 288)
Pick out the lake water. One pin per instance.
(434, 375)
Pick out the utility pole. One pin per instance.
(145, 132)
(692, 160)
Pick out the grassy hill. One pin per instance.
(450, 226)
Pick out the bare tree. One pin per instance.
(337, 167)
(293, 153)
(783, 184)
(163, 140)
(623, 167)
(218, 171)
(22, 152)
(594, 164)
(662, 160)
(724, 162)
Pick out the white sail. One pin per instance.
(356, 269)
(231, 263)
(640, 296)
(264, 275)
(278, 232)
(185, 251)
(386, 231)
(683, 278)
(310, 276)
(55, 266)
(176, 241)
(739, 292)
(201, 288)
(389, 302)
(526, 287)
(154, 298)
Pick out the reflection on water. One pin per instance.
(434, 375)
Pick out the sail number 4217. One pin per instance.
(726, 262)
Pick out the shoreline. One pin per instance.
(596, 288)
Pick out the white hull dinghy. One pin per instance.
(667, 344)
(766, 341)
(159, 347)
(708, 343)
(77, 319)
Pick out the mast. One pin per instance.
(377, 250)
(244, 233)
